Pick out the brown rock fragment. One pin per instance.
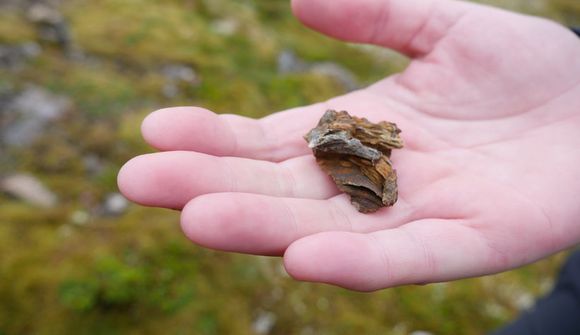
(355, 153)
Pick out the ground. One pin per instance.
(93, 264)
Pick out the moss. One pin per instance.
(567, 11)
(163, 31)
(137, 274)
(309, 88)
(51, 155)
(129, 131)
(98, 92)
(14, 28)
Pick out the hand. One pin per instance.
(488, 180)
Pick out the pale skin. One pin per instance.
(488, 180)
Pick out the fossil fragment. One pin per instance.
(355, 153)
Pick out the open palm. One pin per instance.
(490, 113)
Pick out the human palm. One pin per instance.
(490, 113)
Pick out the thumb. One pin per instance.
(411, 27)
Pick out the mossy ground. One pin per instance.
(71, 270)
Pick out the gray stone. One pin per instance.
(264, 323)
(29, 189)
(175, 75)
(115, 204)
(225, 27)
(51, 25)
(341, 74)
(44, 13)
(421, 332)
(93, 164)
(289, 62)
(80, 217)
(14, 57)
(179, 72)
(28, 114)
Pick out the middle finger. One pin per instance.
(171, 179)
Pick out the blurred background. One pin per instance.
(76, 79)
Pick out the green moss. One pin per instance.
(79, 295)
(122, 29)
(14, 28)
(129, 132)
(308, 88)
(567, 11)
(98, 92)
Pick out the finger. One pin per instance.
(260, 224)
(411, 27)
(420, 252)
(263, 225)
(275, 138)
(171, 179)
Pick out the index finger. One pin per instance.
(276, 137)
(273, 138)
